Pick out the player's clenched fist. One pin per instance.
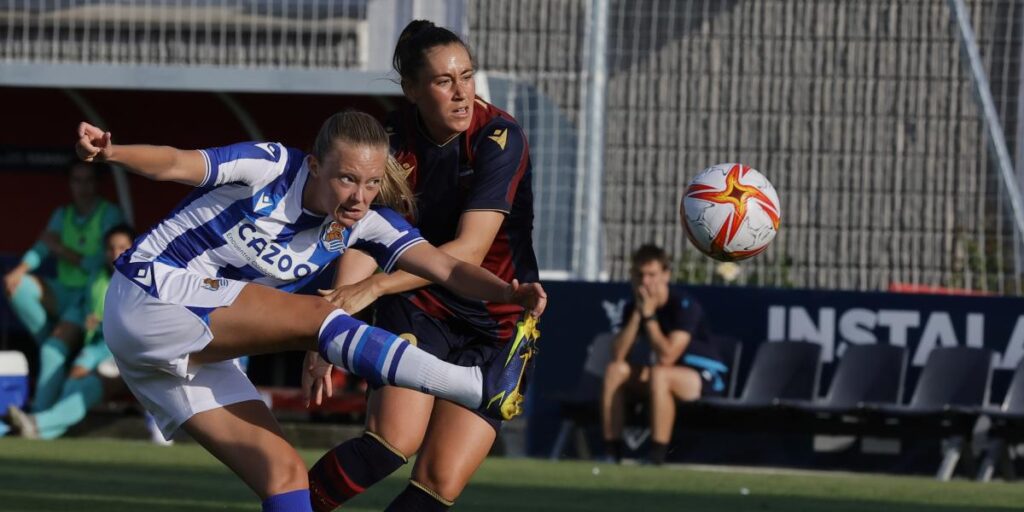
(93, 143)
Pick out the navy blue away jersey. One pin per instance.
(485, 168)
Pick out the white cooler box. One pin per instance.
(13, 379)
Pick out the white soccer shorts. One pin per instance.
(151, 341)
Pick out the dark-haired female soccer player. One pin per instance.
(469, 166)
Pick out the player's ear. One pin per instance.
(314, 166)
(409, 91)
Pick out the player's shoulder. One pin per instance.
(62, 210)
(682, 299)
(494, 132)
(253, 150)
(488, 112)
(381, 215)
(489, 121)
(399, 124)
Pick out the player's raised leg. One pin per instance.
(398, 420)
(264, 320)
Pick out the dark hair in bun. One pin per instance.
(418, 37)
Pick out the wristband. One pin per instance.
(646, 319)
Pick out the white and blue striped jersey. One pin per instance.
(246, 222)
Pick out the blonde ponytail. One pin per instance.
(394, 189)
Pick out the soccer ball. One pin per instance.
(730, 212)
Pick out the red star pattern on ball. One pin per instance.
(738, 195)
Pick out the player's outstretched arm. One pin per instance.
(469, 280)
(473, 239)
(159, 163)
(353, 289)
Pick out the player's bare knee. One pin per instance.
(404, 445)
(312, 312)
(617, 371)
(439, 483)
(287, 474)
(691, 386)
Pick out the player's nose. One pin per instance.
(358, 195)
(458, 92)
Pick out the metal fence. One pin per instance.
(236, 33)
(863, 114)
(541, 44)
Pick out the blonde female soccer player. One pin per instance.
(210, 283)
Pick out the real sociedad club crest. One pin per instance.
(333, 237)
(213, 284)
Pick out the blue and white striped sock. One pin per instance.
(385, 359)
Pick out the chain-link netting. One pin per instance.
(274, 33)
(863, 115)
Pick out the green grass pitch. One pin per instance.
(108, 475)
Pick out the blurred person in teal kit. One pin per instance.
(93, 375)
(52, 309)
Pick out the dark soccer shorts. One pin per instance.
(443, 339)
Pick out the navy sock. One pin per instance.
(349, 469)
(291, 501)
(417, 498)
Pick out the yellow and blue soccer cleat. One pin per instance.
(505, 379)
